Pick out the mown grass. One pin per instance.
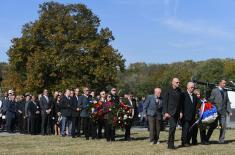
(55, 145)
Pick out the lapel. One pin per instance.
(35, 105)
(128, 102)
(160, 102)
(47, 101)
(194, 100)
(219, 94)
(188, 96)
(154, 101)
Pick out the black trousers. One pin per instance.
(154, 128)
(76, 126)
(101, 125)
(34, 124)
(46, 124)
(3, 124)
(94, 127)
(1, 121)
(27, 124)
(110, 131)
(173, 122)
(188, 133)
(21, 123)
(10, 123)
(128, 129)
(202, 128)
(86, 126)
(52, 125)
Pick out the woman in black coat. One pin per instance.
(34, 116)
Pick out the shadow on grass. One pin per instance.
(210, 143)
(225, 142)
(141, 139)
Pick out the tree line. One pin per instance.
(141, 78)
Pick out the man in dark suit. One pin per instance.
(219, 97)
(45, 105)
(21, 121)
(3, 108)
(11, 113)
(66, 111)
(114, 96)
(130, 102)
(172, 109)
(84, 103)
(26, 103)
(1, 112)
(101, 122)
(153, 111)
(189, 113)
(76, 119)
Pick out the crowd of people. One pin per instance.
(69, 113)
(72, 113)
(178, 107)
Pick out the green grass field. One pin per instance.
(53, 145)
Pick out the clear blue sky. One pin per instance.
(151, 31)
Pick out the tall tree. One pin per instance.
(65, 47)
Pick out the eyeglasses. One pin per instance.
(114, 90)
(177, 82)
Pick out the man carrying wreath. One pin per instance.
(219, 97)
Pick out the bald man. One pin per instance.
(189, 112)
(172, 109)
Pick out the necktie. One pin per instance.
(157, 101)
(47, 98)
(191, 97)
(222, 93)
(130, 103)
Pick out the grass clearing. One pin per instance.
(56, 145)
